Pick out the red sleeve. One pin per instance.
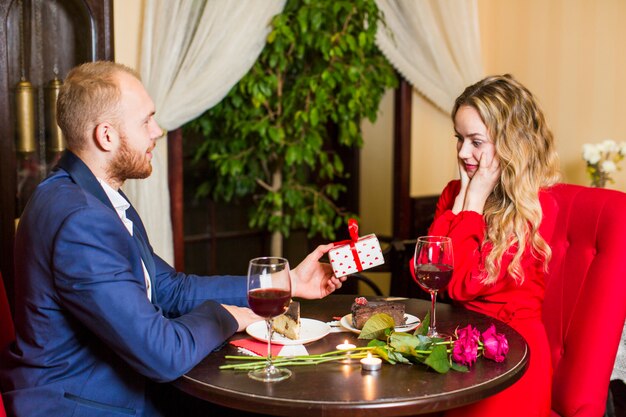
(467, 231)
(505, 298)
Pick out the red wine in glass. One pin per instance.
(433, 263)
(269, 302)
(434, 276)
(269, 293)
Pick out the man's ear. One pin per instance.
(106, 136)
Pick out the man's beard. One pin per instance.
(129, 164)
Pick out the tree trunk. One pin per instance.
(276, 247)
(277, 244)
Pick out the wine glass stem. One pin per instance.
(433, 301)
(270, 332)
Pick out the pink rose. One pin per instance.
(495, 344)
(465, 349)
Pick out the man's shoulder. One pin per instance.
(58, 196)
(60, 186)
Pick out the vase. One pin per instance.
(600, 179)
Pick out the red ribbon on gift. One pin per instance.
(353, 229)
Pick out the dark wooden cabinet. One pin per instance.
(40, 41)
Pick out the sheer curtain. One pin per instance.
(193, 53)
(434, 44)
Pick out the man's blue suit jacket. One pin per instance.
(87, 335)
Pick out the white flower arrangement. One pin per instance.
(602, 160)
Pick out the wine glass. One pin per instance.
(269, 294)
(433, 262)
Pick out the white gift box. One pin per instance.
(348, 258)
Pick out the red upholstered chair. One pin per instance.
(7, 332)
(3, 413)
(585, 300)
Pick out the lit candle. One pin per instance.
(345, 346)
(370, 363)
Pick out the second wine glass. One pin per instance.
(269, 294)
(434, 263)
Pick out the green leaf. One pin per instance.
(398, 357)
(375, 326)
(403, 342)
(381, 350)
(422, 329)
(438, 359)
(314, 117)
(457, 367)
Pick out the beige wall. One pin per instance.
(127, 24)
(570, 53)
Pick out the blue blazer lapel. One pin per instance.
(141, 238)
(82, 175)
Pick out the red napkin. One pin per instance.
(256, 346)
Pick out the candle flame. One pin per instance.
(369, 355)
(345, 342)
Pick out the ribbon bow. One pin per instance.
(353, 229)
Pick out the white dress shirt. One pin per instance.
(121, 205)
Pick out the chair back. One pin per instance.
(585, 299)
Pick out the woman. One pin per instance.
(499, 218)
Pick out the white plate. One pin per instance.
(346, 321)
(310, 330)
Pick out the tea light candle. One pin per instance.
(345, 346)
(370, 363)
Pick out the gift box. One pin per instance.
(356, 254)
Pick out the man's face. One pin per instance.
(137, 131)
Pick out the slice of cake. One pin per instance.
(362, 310)
(288, 324)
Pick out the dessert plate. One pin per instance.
(411, 323)
(310, 331)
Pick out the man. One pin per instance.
(98, 314)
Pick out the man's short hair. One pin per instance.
(89, 96)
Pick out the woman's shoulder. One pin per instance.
(548, 202)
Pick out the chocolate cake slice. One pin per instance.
(363, 310)
(288, 324)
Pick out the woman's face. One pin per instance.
(473, 140)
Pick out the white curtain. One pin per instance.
(434, 44)
(193, 53)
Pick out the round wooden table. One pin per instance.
(343, 390)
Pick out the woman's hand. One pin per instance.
(459, 202)
(482, 183)
(314, 279)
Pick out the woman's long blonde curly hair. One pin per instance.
(528, 160)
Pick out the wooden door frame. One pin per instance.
(101, 14)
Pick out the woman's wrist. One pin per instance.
(474, 203)
(459, 202)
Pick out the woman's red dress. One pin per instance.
(518, 305)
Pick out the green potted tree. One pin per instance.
(269, 137)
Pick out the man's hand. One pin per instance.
(314, 279)
(243, 315)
